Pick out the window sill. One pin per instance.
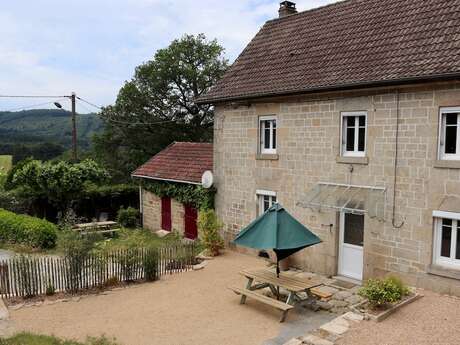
(267, 157)
(444, 272)
(447, 164)
(352, 160)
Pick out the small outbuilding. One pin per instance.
(169, 182)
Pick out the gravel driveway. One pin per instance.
(183, 309)
(432, 320)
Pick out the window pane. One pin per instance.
(350, 121)
(451, 119)
(266, 202)
(451, 139)
(350, 139)
(361, 139)
(274, 138)
(446, 237)
(354, 229)
(274, 123)
(267, 135)
(362, 121)
(457, 250)
(273, 199)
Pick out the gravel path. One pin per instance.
(432, 320)
(183, 309)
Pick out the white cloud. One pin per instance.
(92, 46)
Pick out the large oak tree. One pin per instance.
(157, 106)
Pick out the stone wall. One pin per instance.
(308, 147)
(151, 214)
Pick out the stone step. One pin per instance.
(311, 339)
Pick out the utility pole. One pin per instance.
(74, 126)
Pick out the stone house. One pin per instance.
(349, 116)
(181, 163)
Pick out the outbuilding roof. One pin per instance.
(348, 44)
(179, 162)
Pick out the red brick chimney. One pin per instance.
(286, 8)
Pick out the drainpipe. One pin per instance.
(393, 219)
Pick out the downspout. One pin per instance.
(393, 220)
(141, 205)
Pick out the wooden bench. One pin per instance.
(284, 307)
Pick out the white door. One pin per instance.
(351, 241)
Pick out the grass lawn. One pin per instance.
(33, 339)
(129, 238)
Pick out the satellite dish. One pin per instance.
(207, 179)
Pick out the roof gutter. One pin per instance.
(350, 86)
(164, 179)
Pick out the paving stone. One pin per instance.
(334, 328)
(338, 303)
(341, 295)
(355, 289)
(294, 341)
(339, 310)
(353, 299)
(353, 316)
(311, 339)
(324, 305)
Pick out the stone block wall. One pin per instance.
(308, 130)
(151, 206)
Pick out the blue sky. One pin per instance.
(92, 46)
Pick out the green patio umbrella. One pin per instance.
(277, 230)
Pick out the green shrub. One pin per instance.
(128, 217)
(380, 292)
(209, 226)
(50, 290)
(27, 230)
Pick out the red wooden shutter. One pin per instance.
(190, 216)
(166, 213)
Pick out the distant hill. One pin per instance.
(52, 125)
(44, 133)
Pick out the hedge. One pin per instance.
(27, 230)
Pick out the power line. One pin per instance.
(30, 96)
(32, 106)
(88, 102)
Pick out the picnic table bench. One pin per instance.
(264, 278)
(99, 227)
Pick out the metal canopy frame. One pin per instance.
(356, 199)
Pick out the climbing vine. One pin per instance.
(195, 195)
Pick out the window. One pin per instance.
(447, 240)
(267, 126)
(354, 134)
(449, 138)
(265, 200)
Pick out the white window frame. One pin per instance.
(343, 142)
(272, 147)
(451, 262)
(260, 194)
(442, 134)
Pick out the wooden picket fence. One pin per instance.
(27, 276)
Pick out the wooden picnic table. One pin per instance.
(100, 227)
(263, 278)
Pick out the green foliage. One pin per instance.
(194, 195)
(128, 217)
(380, 292)
(130, 238)
(32, 339)
(209, 226)
(6, 163)
(58, 182)
(92, 191)
(26, 230)
(150, 264)
(74, 245)
(50, 290)
(162, 90)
